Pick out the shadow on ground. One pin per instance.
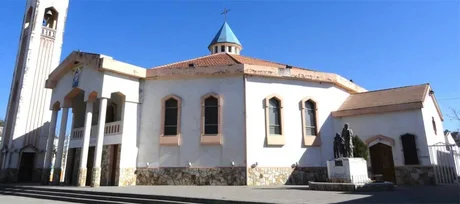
(405, 194)
(401, 194)
(81, 196)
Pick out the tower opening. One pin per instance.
(28, 18)
(50, 18)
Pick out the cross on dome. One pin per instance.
(225, 40)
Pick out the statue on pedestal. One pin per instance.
(338, 146)
(343, 144)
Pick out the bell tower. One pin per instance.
(28, 115)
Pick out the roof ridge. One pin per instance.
(263, 60)
(234, 59)
(185, 60)
(392, 88)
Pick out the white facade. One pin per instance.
(28, 115)
(327, 97)
(190, 91)
(391, 125)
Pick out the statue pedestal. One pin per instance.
(347, 170)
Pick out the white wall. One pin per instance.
(90, 80)
(429, 111)
(328, 98)
(128, 86)
(392, 125)
(191, 90)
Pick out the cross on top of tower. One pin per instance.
(225, 13)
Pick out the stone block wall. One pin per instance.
(76, 166)
(127, 177)
(261, 176)
(105, 164)
(9, 175)
(37, 175)
(191, 176)
(415, 175)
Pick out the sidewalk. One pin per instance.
(232, 194)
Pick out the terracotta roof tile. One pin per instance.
(221, 59)
(384, 97)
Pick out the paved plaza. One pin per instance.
(32, 194)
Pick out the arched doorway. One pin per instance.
(382, 161)
(27, 164)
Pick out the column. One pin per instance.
(49, 149)
(60, 147)
(85, 146)
(96, 178)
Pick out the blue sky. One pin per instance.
(378, 44)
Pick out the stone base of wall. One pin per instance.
(46, 176)
(191, 176)
(9, 175)
(37, 175)
(415, 175)
(285, 175)
(127, 177)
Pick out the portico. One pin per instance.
(98, 99)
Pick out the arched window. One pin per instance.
(409, 149)
(434, 126)
(215, 49)
(222, 48)
(274, 121)
(230, 49)
(171, 117)
(211, 119)
(50, 18)
(211, 115)
(170, 120)
(310, 118)
(274, 110)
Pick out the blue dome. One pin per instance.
(225, 35)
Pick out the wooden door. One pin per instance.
(382, 161)
(26, 167)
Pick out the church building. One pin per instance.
(220, 119)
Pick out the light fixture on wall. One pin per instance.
(233, 163)
(189, 164)
(254, 165)
(148, 163)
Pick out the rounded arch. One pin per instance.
(380, 139)
(29, 148)
(50, 18)
(56, 106)
(276, 97)
(28, 18)
(92, 96)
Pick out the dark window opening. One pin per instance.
(229, 48)
(211, 115)
(216, 49)
(409, 149)
(274, 114)
(310, 118)
(434, 126)
(171, 116)
(222, 48)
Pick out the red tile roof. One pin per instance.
(221, 59)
